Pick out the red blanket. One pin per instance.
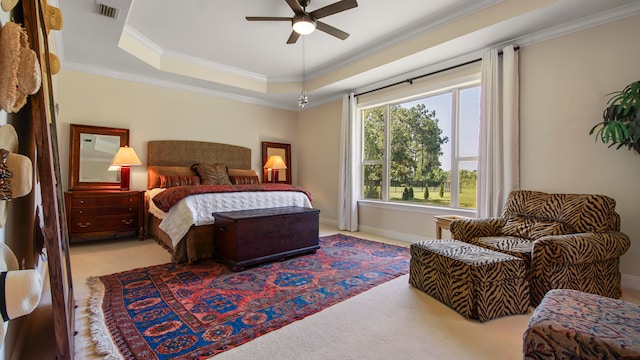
(166, 199)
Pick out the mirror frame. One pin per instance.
(266, 147)
(74, 155)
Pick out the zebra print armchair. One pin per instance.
(568, 241)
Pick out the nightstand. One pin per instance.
(443, 222)
(103, 214)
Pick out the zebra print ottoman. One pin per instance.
(476, 282)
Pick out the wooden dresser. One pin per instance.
(96, 215)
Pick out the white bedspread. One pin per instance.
(197, 209)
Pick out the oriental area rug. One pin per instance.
(195, 311)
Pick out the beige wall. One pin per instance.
(156, 113)
(564, 82)
(319, 153)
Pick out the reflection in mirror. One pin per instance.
(96, 153)
(92, 149)
(284, 150)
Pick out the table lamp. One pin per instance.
(275, 163)
(125, 157)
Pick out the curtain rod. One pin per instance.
(410, 80)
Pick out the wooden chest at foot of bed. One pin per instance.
(248, 237)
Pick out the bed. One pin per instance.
(184, 226)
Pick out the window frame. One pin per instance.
(454, 87)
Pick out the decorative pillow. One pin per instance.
(241, 172)
(244, 180)
(518, 226)
(215, 174)
(154, 172)
(167, 181)
(541, 229)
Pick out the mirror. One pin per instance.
(284, 150)
(90, 155)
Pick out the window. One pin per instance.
(423, 150)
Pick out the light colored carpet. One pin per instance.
(390, 321)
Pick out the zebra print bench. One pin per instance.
(476, 282)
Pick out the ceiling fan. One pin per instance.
(304, 22)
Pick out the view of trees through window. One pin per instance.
(432, 157)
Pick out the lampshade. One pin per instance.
(125, 156)
(304, 24)
(275, 162)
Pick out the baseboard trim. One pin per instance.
(631, 282)
(391, 234)
(328, 222)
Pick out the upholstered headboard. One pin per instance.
(175, 157)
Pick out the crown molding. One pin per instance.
(99, 71)
(191, 60)
(580, 24)
(408, 33)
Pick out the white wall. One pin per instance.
(564, 82)
(156, 113)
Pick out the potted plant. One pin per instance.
(621, 119)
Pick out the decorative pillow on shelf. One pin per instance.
(167, 181)
(215, 174)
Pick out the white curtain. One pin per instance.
(349, 174)
(498, 154)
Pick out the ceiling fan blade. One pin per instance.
(268, 18)
(293, 37)
(332, 31)
(295, 6)
(333, 8)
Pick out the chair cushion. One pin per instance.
(514, 246)
(547, 228)
(518, 226)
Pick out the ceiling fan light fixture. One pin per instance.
(304, 24)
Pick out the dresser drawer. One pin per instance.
(80, 224)
(110, 210)
(104, 200)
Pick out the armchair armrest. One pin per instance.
(581, 247)
(467, 229)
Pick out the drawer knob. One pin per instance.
(81, 211)
(84, 225)
(81, 201)
(127, 222)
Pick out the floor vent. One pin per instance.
(106, 10)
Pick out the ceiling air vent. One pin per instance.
(106, 10)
